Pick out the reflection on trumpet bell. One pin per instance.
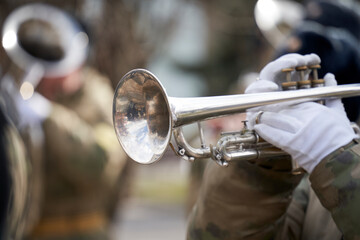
(141, 117)
(145, 118)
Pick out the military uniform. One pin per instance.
(82, 164)
(264, 200)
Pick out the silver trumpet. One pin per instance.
(147, 120)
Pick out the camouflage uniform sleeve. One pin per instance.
(336, 182)
(242, 201)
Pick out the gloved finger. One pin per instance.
(274, 136)
(312, 59)
(281, 121)
(303, 60)
(300, 59)
(262, 86)
(40, 105)
(334, 104)
(305, 111)
(276, 107)
(307, 108)
(274, 119)
(272, 71)
(330, 80)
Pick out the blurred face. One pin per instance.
(53, 87)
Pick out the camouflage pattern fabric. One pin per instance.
(336, 181)
(306, 218)
(252, 201)
(246, 200)
(83, 164)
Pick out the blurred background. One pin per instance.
(196, 48)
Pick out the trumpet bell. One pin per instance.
(141, 116)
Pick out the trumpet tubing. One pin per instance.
(145, 118)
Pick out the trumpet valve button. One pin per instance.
(289, 86)
(316, 66)
(301, 68)
(287, 70)
(318, 83)
(288, 73)
(305, 84)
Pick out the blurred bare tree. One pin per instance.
(235, 45)
(115, 48)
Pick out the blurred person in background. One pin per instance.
(81, 164)
(116, 48)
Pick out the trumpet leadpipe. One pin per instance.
(189, 110)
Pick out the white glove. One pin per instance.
(23, 112)
(307, 131)
(272, 71)
(336, 103)
(34, 110)
(261, 86)
(271, 77)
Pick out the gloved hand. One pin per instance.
(335, 103)
(23, 112)
(307, 131)
(32, 111)
(36, 109)
(272, 71)
(271, 77)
